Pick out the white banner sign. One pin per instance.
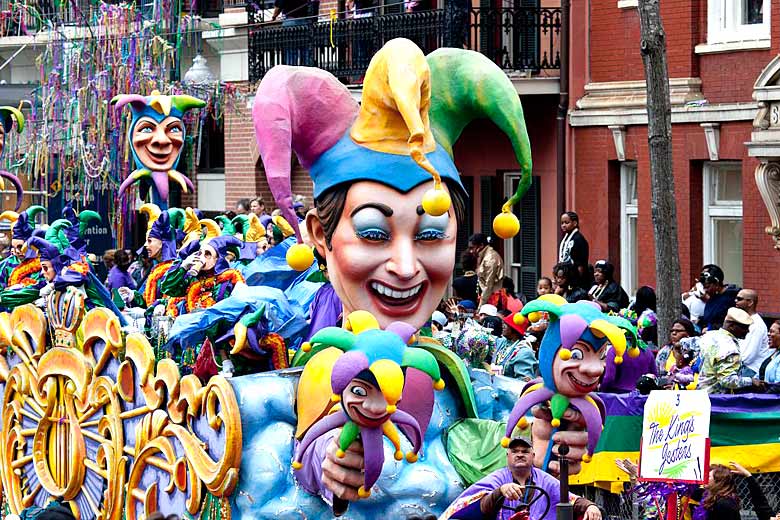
(675, 437)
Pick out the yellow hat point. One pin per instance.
(586, 458)
(506, 225)
(363, 493)
(411, 457)
(519, 319)
(633, 352)
(399, 455)
(412, 340)
(439, 385)
(564, 354)
(505, 442)
(300, 257)
(306, 346)
(340, 453)
(335, 398)
(522, 423)
(534, 317)
(436, 202)
(391, 408)
(555, 423)
(296, 465)
(618, 360)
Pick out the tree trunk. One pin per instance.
(659, 136)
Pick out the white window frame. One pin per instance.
(628, 210)
(715, 211)
(211, 190)
(724, 23)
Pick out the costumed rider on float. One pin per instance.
(18, 271)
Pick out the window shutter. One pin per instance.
(530, 216)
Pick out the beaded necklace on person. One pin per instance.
(599, 291)
(504, 353)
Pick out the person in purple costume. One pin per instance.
(500, 493)
(118, 275)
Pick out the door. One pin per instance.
(522, 255)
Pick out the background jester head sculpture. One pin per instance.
(368, 380)
(8, 115)
(571, 362)
(156, 136)
(413, 110)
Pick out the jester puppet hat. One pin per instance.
(80, 222)
(8, 115)
(23, 223)
(164, 114)
(413, 110)
(378, 357)
(570, 323)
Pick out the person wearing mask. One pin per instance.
(490, 266)
(720, 364)
(770, 368)
(507, 487)
(466, 287)
(754, 349)
(573, 248)
(720, 500)
(720, 297)
(681, 328)
(566, 283)
(607, 292)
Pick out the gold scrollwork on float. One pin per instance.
(89, 422)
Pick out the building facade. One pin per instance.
(717, 50)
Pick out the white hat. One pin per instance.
(439, 318)
(488, 310)
(739, 316)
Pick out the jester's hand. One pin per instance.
(343, 476)
(571, 432)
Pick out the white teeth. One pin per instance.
(391, 293)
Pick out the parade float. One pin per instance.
(107, 420)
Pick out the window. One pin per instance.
(731, 21)
(723, 218)
(629, 211)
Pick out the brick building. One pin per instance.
(717, 50)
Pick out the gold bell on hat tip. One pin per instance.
(505, 442)
(506, 225)
(565, 354)
(399, 455)
(439, 384)
(363, 493)
(633, 352)
(436, 202)
(297, 465)
(555, 423)
(522, 423)
(411, 457)
(586, 458)
(335, 398)
(306, 346)
(340, 453)
(519, 319)
(391, 408)
(618, 360)
(300, 257)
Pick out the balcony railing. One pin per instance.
(516, 38)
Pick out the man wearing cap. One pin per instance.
(498, 494)
(720, 366)
(720, 297)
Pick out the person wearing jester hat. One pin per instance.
(17, 271)
(160, 247)
(387, 198)
(367, 381)
(9, 115)
(80, 221)
(156, 136)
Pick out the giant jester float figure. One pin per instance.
(156, 136)
(387, 197)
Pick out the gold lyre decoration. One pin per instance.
(98, 424)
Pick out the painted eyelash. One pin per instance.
(373, 234)
(431, 234)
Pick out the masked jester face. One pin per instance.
(158, 144)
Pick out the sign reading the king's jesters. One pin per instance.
(675, 437)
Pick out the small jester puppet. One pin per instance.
(156, 136)
(7, 116)
(17, 270)
(367, 380)
(571, 362)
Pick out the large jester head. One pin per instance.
(572, 352)
(156, 137)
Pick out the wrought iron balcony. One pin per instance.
(516, 38)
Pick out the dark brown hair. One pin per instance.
(330, 205)
(721, 486)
